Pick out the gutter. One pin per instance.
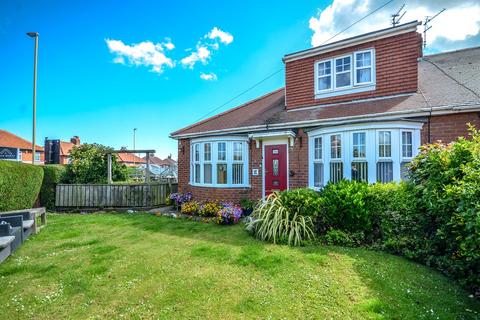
(441, 110)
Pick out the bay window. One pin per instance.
(219, 162)
(370, 152)
(345, 74)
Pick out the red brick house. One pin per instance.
(358, 109)
(15, 148)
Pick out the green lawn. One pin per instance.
(112, 266)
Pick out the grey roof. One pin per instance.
(450, 79)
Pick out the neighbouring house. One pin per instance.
(358, 108)
(167, 163)
(58, 152)
(130, 159)
(15, 148)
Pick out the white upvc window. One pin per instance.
(364, 67)
(346, 74)
(384, 163)
(318, 177)
(336, 163)
(407, 144)
(359, 156)
(207, 163)
(196, 163)
(324, 76)
(343, 72)
(368, 152)
(407, 152)
(219, 163)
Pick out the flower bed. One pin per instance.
(224, 213)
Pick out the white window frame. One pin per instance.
(318, 76)
(342, 72)
(354, 87)
(214, 142)
(205, 161)
(372, 67)
(406, 158)
(318, 160)
(371, 130)
(384, 158)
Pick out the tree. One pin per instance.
(89, 164)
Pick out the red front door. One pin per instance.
(275, 168)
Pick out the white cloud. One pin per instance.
(208, 43)
(208, 76)
(168, 44)
(223, 36)
(202, 54)
(144, 53)
(457, 27)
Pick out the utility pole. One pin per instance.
(35, 60)
(427, 27)
(134, 138)
(396, 17)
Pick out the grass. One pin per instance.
(137, 266)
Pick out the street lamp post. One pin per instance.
(35, 59)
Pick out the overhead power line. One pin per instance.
(274, 73)
(361, 19)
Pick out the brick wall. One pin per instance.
(396, 71)
(298, 161)
(448, 127)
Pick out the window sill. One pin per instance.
(221, 186)
(335, 93)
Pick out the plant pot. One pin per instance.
(247, 212)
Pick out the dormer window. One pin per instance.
(345, 74)
(324, 75)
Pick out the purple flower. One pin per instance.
(229, 214)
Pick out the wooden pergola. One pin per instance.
(147, 173)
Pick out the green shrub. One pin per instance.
(392, 207)
(344, 208)
(19, 185)
(275, 222)
(341, 238)
(446, 181)
(53, 174)
(304, 201)
(89, 164)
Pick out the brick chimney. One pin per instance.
(75, 140)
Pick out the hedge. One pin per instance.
(19, 185)
(53, 174)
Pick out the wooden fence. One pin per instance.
(112, 196)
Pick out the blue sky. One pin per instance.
(101, 90)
